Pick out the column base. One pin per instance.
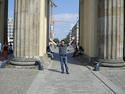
(24, 61)
(112, 63)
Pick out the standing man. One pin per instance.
(63, 57)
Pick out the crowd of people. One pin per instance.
(78, 50)
(6, 50)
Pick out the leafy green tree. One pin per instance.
(66, 40)
(56, 40)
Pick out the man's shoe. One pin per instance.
(67, 72)
(62, 72)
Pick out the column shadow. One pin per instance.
(54, 70)
(78, 60)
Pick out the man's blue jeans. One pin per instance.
(63, 62)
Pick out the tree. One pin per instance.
(66, 40)
(56, 40)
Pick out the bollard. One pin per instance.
(97, 66)
(5, 62)
(40, 67)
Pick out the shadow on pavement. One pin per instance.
(54, 70)
(78, 60)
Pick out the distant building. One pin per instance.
(10, 30)
(52, 5)
(75, 32)
(69, 37)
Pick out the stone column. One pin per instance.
(3, 20)
(88, 27)
(30, 28)
(44, 16)
(81, 3)
(111, 31)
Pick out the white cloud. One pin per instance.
(66, 18)
(63, 23)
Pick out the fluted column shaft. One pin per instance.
(111, 30)
(44, 15)
(88, 26)
(28, 33)
(3, 20)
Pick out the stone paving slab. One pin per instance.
(13, 81)
(116, 76)
(110, 84)
(79, 81)
(1, 62)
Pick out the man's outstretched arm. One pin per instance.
(53, 42)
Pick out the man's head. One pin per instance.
(62, 42)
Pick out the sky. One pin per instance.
(66, 11)
(11, 8)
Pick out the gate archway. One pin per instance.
(101, 29)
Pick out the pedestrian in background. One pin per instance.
(5, 51)
(75, 47)
(10, 49)
(49, 50)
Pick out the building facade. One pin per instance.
(10, 31)
(101, 28)
(75, 32)
(31, 21)
(52, 5)
(69, 37)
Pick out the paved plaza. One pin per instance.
(81, 80)
(115, 75)
(16, 81)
